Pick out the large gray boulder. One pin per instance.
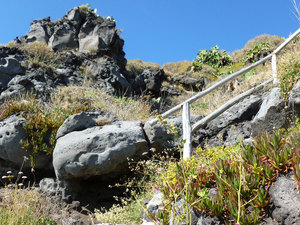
(271, 115)
(12, 133)
(84, 120)
(98, 151)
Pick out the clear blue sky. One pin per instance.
(165, 30)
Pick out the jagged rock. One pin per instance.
(285, 199)
(48, 186)
(232, 126)
(66, 76)
(243, 111)
(231, 135)
(106, 70)
(10, 65)
(89, 39)
(11, 134)
(6, 51)
(149, 81)
(98, 151)
(181, 214)
(63, 37)
(271, 115)
(83, 120)
(190, 83)
(40, 31)
(36, 83)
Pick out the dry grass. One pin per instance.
(40, 55)
(26, 206)
(136, 66)
(123, 108)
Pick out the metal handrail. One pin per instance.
(187, 129)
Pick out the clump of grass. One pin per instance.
(124, 108)
(137, 66)
(24, 206)
(40, 56)
(181, 67)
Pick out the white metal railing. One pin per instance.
(186, 124)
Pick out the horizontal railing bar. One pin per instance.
(227, 105)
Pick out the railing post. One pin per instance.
(187, 131)
(274, 70)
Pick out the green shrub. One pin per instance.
(257, 52)
(214, 58)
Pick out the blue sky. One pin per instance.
(166, 30)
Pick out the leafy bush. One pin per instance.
(272, 41)
(214, 58)
(257, 52)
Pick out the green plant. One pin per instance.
(214, 58)
(288, 76)
(256, 52)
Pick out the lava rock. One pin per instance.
(98, 151)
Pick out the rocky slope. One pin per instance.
(92, 147)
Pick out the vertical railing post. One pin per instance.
(274, 70)
(187, 131)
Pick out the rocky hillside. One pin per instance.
(74, 111)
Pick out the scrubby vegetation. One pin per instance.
(44, 118)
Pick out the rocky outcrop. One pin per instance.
(108, 72)
(272, 114)
(149, 81)
(79, 29)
